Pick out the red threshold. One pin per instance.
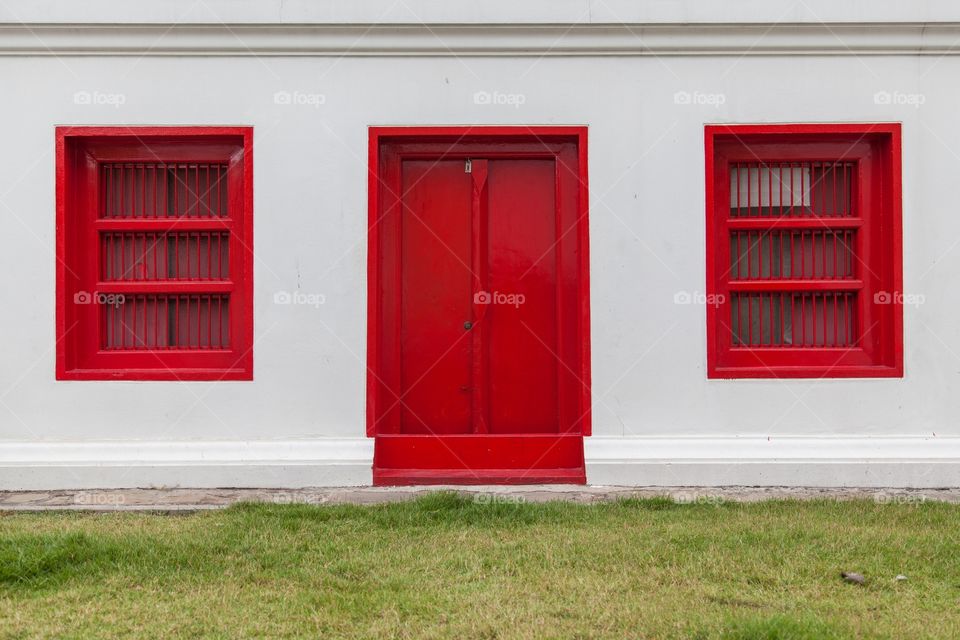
(478, 459)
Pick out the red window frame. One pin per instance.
(83, 234)
(873, 151)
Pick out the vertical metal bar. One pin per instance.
(803, 255)
(176, 191)
(133, 334)
(836, 320)
(196, 193)
(823, 310)
(769, 254)
(836, 255)
(166, 190)
(833, 175)
(209, 343)
(117, 326)
(769, 191)
(123, 188)
(206, 193)
(738, 190)
(153, 200)
(735, 322)
(770, 315)
(793, 197)
(803, 188)
(780, 186)
(783, 309)
(803, 319)
(105, 206)
(823, 252)
(179, 342)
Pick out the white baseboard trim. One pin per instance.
(829, 461)
(323, 462)
(917, 462)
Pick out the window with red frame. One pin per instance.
(154, 248)
(804, 251)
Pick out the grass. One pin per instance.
(447, 566)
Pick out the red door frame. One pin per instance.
(540, 140)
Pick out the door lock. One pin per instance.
(468, 325)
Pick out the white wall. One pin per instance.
(657, 419)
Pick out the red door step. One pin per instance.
(478, 459)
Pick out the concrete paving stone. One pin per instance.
(179, 499)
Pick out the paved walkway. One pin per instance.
(195, 499)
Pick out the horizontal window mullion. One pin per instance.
(167, 286)
(140, 225)
(785, 223)
(794, 285)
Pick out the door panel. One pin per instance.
(521, 319)
(436, 294)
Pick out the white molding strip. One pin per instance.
(754, 448)
(542, 40)
(201, 464)
(185, 452)
(921, 462)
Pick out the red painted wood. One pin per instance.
(513, 459)
(444, 242)
(875, 220)
(523, 350)
(84, 203)
(435, 377)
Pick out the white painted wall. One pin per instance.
(657, 419)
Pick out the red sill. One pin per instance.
(813, 373)
(175, 375)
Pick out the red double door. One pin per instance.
(478, 335)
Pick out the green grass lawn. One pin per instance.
(447, 566)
